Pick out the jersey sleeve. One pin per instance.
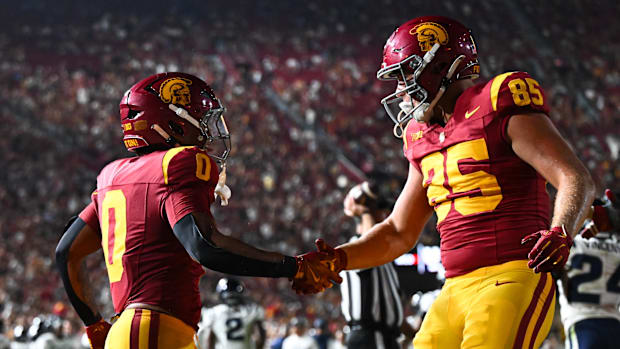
(89, 215)
(516, 93)
(189, 165)
(191, 176)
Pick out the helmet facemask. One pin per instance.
(400, 111)
(213, 128)
(397, 108)
(215, 131)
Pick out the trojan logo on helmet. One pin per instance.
(428, 34)
(175, 91)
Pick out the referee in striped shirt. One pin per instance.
(371, 302)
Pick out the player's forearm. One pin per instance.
(218, 258)
(74, 275)
(82, 302)
(380, 245)
(79, 271)
(206, 224)
(572, 203)
(241, 248)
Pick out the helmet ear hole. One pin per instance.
(131, 114)
(176, 128)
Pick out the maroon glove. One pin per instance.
(97, 333)
(317, 270)
(606, 216)
(550, 252)
(589, 230)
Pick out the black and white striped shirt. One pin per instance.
(371, 297)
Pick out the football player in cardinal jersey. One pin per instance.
(151, 216)
(231, 325)
(590, 288)
(480, 155)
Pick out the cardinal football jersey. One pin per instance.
(137, 202)
(231, 325)
(486, 198)
(592, 288)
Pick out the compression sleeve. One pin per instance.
(72, 229)
(221, 260)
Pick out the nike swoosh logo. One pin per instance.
(497, 283)
(468, 114)
(315, 278)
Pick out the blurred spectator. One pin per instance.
(320, 333)
(299, 84)
(298, 338)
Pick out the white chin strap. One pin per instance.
(182, 113)
(164, 134)
(424, 112)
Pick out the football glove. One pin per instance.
(97, 333)
(318, 269)
(550, 252)
(337, 261)
(606, 216)
(589, 230)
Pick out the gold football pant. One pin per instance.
(147, 329)
(501, 306)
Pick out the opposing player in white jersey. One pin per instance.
(232, 324)
(590, 289)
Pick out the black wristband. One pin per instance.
(289, 266)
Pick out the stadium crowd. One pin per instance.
(298, 81)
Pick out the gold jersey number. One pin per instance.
(438, 190)
(203, 166)
(525, 92)
(114, 232)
